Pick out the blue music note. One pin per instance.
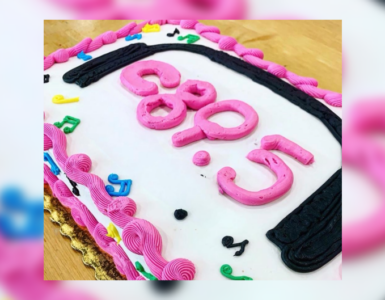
(84, 56)
(133, 37)
(54, 168)
(125, 186)
(12, 202)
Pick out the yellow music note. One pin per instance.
(151, 28)
(112, 232)
(59, 99)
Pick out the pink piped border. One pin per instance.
(252, 56)
(85, 218)
(139, 236)
(88, 45)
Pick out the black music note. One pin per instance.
(74, 187)
(176, 31)
(228, 242)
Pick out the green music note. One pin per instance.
(226, 271)
(68, 119)
(190, 38)
(141, 270)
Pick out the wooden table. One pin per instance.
(307, 48)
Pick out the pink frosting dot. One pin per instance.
(201, 158)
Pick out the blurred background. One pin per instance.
(21, 249)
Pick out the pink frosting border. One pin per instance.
(85, 218)
(88, 45)
(252, 56)
(139, 236)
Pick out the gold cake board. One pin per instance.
(81, 239)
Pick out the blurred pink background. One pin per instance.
(21, 262)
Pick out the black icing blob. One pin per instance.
(227, 241)
(180, 214)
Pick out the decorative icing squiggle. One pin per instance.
(139, 236)
(255, 57)
(278, 142)
(206, 129)
(201, 158)
(84, 217)
(131, 76)
(196, 93)
(174, 118)
(88, 45)
(226, 176)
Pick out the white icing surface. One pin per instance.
(164, 179)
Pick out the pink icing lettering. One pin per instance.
(226, 176)
(278, 142)
(131, 77)
(197, 94)
(174, 118)
(206, 129)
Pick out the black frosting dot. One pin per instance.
(180, 214)
(227, 241)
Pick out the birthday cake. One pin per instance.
(188, 156)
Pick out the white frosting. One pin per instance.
(117, 143)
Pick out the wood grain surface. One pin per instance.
(307, 48)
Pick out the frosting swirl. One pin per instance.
(139, 236)
(84, 217)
